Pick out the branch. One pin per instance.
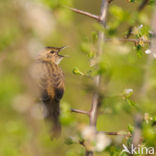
(104, 8)
(130, 40)
(79, 111)
(133, 40)
(86, 14)
(125, 134)
(97, 80)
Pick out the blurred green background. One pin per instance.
(28, 25)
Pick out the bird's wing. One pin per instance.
(56, 82)
(49, 78)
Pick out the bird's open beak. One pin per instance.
(63, 48)
(60, 49)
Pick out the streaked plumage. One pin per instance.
(50, 80)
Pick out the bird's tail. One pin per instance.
(52, 114)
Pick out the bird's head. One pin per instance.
(51, 54)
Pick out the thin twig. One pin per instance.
(125, 134)
(86, 13)
(133, 40)
(130, 40)
(80, 111)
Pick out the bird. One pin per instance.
(50, 81)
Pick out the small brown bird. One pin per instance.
(50, 79)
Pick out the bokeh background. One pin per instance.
(26, 26)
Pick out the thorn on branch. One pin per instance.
(80, 111)
(86, 14)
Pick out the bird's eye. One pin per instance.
(52, 52)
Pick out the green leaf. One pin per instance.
(154, 119)
(151, 2)
(69, 141)
(130, 102)
(119, 13)
(149, 134)
(85, 47)
(132, 1)
(76, 71)
(131, 128)
(102, 68)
